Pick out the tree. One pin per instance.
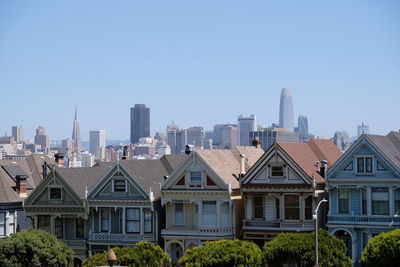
(34, 248)
(142, 254)
(382, 250)
(224, 253)
(297, 249)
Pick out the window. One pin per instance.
(59, 227)
(363, 201)
(292, 208)
(79, 228)
(364, 165)
(179, 217)
(397, 201)
(278, 208)
(55, 193)
(277, 171)
(308, 208)
(210, 213)
(225, 221)
(195, 177)
(44, 223)
(11, 222)
(2, 223)
(133, 220)
(380, 201)
(119, 186)
(258, 205)
(148, 221)
(343, 200)
(105, 220)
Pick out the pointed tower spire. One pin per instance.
(76, 133)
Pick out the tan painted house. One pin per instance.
(282, 189)
(202, 198)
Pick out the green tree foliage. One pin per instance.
(382, 250)
(34, 248)
(297, 249)
(142, 254)
(224, 253)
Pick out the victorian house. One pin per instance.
(111, 204)
(18, 177)
(202, 198)
(364, 191)
(281, 190)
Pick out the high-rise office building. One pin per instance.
(67, 146)
(362, 129)
(76, 133)
(195, 137)
(286, 110)
(268, 136)
(177, 140)
(42, 139)
(97, 140)
(245, 125)
(225, 136)
(342, 140)
(140, 122)
(302, 129)
(18, 134)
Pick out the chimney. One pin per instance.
(242, 165)
(256, 142)
(44, 169)
(323, 168)
(187, 150)
(21, 185)
(59, 158)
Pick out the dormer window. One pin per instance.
(277, 171)
(55, 193)
(364, 165)
(119, 186)
(195, 179)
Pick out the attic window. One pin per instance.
(55, 193)
(277, 171)
(119, 186)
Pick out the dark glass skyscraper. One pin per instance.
(286, 110)
(140, 122)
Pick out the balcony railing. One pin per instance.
(283, 225)
(364, 220)
(215, 230)
(120, 237)
(202, 230)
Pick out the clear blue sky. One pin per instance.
(198, 63)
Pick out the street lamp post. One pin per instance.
(315, 216)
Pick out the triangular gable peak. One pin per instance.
(53, 191)
(118, 183)
(194, 174)
(276, 167)
(363, 159)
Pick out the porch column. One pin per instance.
(123, 220)
(52, 225)
(219, 203)
(281, 207)
(200, 213)
(141, 221)
(391, 201)
(369, 201)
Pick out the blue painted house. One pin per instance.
(364, 191)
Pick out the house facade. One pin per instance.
(94, 209)
(202, 199)
(364, 191)
(282, 189)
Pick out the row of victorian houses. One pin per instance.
(181, 201)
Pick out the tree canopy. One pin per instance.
(142, 254)
(34, 248)
(297, 249)
(382, 250)
(224, 253)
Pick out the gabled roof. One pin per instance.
(226, 163)
(389, 146)
(31, 166)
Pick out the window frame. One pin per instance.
(175, 214)
(365, 159)
(3, 214)
(81, 226)
(127, 220)
(106, 211)
(209, 202)
(373, 211)
(277, 166)
(47, 227)
(56, 233)
(262, 206)
(348, 200)
(147, 220)
(292, 207)
(115, 182)
(310, 207)
(61, 193)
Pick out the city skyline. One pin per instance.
(198, 64)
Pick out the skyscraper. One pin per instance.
(76, 133)
(97, 141)
(42, 139)
(140, 122)
(286, 110)
(245, 125)
(18, 134)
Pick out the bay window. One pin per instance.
(210, 213)
(380, 201)
(292, 207)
